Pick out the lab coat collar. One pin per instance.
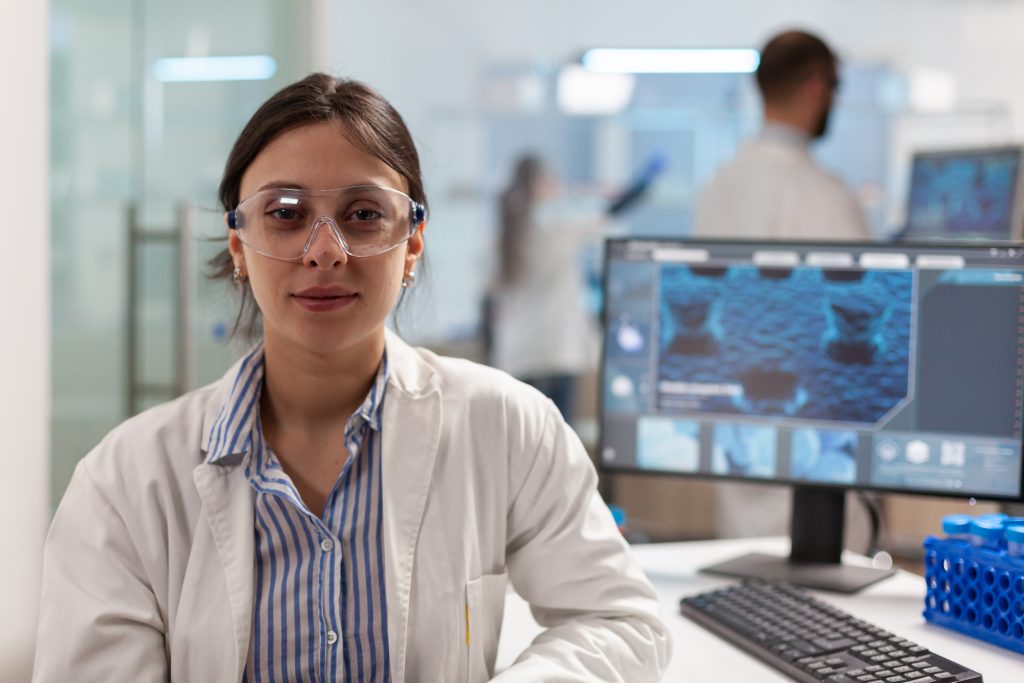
(228, 507)
(407, 370)
(411, 435)
(785, 133)
(218, 399)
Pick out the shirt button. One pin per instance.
(332, 637)
(326, 545)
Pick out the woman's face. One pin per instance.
(327, 302)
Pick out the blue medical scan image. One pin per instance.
(668, 445)
(824, 455)
(822, 344)
(744, 450)
(964, 194)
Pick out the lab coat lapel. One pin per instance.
(228, 508)
(411, 432)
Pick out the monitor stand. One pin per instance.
(816, 529)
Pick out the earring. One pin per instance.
(238, 276)
(409, 280)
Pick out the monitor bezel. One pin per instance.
(604, 467)
(909, 234)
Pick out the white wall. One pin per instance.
(25, 338)
(425, 55)
(430, 58)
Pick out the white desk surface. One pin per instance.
(894, 604)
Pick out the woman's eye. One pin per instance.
(284, 214)
(366, 215)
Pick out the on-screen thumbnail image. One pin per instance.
(744, 450)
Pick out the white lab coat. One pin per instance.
(774, 190)
(542, 325)
(148, 571)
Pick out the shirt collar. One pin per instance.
(372, 406)
(785, 133)
(232, 431)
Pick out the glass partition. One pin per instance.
(131, 327)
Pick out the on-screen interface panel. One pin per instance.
(895, 367)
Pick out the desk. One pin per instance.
(894, 604)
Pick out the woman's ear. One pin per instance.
(415, 249)
(234, 244)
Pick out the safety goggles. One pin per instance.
(364, 219)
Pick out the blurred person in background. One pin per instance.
(541, 328)
(775, 190)
(340, 505)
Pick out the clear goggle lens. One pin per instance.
(364, 219)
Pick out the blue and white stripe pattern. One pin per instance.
(320, 609)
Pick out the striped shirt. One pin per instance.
(319, 609)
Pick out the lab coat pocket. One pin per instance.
(485, 607)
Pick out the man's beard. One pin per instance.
(822, 125)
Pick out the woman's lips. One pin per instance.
(321, 299)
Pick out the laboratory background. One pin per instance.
(118, 115)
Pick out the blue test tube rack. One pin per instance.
(975, 590)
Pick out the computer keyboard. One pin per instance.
(810, 640)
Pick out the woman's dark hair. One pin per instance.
(369, 121)
(517, 204)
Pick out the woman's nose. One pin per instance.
(325, 246)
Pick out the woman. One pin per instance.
(541, 330)
(340, 505)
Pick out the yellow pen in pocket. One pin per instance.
(467, 623)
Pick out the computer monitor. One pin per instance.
(966, 194)
(826, 366)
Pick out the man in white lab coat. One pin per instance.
(774, 190)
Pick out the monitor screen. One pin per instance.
(890, 367)
(965, 194)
